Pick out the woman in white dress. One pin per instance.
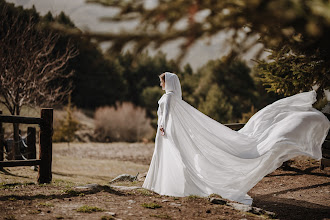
(196, 155)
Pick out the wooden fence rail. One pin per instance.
(2, 143)
(235, 126)
(45, 143)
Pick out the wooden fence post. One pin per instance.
(2, 141)
(45, 146)
(31, 143)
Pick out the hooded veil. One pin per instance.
(199, 156)
(172, 84)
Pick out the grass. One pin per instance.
(151, 205)
(14, 185)
(144, 192)
(45, 204)
(163, 216)
(65, 183)
(193, 197)
(214, 195)
(74, 169)
(72, 192)
(12, 198)
(89, 209)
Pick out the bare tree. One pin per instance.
(32, 68)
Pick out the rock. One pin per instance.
(124, 177)
(240, 207)
(89, 186)
(126, 187)
(259, 211)
(219, 201)
(165, 200)
(110, 213)
(175, 204)
(251, 209)
(131, 201)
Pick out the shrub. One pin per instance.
(125, 122)
(64, 130)
(246, 116)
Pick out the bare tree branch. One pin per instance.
(31, 63)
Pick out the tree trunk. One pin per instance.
(15, 151)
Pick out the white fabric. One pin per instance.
(199, 156)
(173, 84)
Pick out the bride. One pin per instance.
(196, 155)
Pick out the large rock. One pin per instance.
(218, 201)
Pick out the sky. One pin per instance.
(86, 17)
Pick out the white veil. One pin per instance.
(199, 156)
(172, 84)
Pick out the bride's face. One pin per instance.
(162, 84)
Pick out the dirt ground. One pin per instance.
(298, 191)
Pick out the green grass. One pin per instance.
(89, 209)
(12, 198)
(144, 192)
(193, 197)
(72, 192)
(151, 205)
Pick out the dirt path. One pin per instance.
(300, 191)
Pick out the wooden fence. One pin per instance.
(325, 161)
(45, 143)
(235, 126)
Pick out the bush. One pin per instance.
(125, 122)
(64, 129)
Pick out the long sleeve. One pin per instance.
(166, 111)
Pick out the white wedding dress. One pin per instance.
(199, 156)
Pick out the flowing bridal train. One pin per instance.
(199, 156)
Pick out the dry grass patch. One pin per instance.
(151, 205)
(89, 209)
